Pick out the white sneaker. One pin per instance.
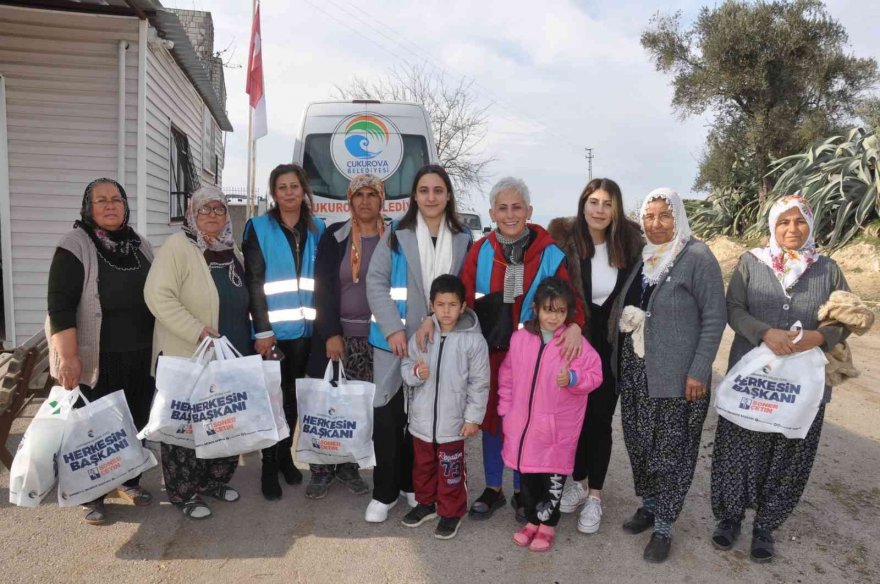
(573, 496)
(591, 516)
(377, 511)
(410, 498)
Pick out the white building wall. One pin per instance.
(61, 96)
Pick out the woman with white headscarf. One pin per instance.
(672, 315)
(772, 288)
(196, 289)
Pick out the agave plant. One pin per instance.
(725, 211)
(840, 179)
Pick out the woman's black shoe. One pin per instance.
(657, 549)
(486, 504)
(269, 484)
(762, 545)
(725, 534)
(639, 522)
(292, 475)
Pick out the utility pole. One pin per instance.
(589, 156)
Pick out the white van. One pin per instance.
(339, 139)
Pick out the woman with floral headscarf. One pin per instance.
(342, 323)
(98, 324)
(672, 315)
(771, 289)
(196, 289)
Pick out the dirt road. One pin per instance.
(833, 536)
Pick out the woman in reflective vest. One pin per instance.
(428, 241)
(279, 249)
(501, 274)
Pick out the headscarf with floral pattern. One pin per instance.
(788, 264)
(363, 181)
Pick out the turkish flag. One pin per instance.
(254, 86)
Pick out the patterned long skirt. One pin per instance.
(662, 437)
(763, 471)
(187, 476)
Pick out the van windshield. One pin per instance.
(327, 181)
(471, 221)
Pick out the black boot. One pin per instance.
(292, 475)
(269, 479)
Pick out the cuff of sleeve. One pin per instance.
(831, 335)
(701, 372)
(264, 335)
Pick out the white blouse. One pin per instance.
(603, 275)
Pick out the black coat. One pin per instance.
(331, 252)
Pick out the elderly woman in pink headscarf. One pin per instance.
(772, 288)
(342, 323)
(195, 289)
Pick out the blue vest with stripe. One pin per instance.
(551, 258)
(290, 297)
(398, 295)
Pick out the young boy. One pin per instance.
(450, 388)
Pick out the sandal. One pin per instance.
(196, 509)
(524, 536)
(224, 493)
(96, 513)
(135, 494)
(486, 504)
(762, 545)
(725, 534)
(543, 539)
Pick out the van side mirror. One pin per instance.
(487, 230)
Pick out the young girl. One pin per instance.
(542, 398)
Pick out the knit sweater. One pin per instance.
(88, 313)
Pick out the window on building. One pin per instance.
(184, 180)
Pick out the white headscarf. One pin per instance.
(788, 264)
(658, 258)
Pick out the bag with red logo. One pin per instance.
(100, 450)
(335, 419)
(231, 412)
(767, 393)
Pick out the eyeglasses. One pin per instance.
(102, 202)
(215, 210)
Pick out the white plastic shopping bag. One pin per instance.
(176, 378)
(767, 393)
(272, 375)
(335, 420)
(230, 409)
(34, 470)
(100, 450)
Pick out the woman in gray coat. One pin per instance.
(673, 314)
(772, 288)
(427, 242)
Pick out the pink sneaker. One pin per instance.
(524, 536)
(543, 540)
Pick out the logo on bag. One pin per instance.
(99, 452)
(218, 407)
(216, 426)
(94, 474)
(745, 403)
(331, 412)
(209, 429)
(769, 390)
(184, 429)
(91, 433)
(766, 369)
(212, 388)
(329, 428)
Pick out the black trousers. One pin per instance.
(394, 451)
(541, 494)
(293, 367)
(593, 452)
(130, 372)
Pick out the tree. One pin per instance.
(774, 74)
(458, 121)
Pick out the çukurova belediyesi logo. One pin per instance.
(366, 137)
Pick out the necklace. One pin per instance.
(233, 276)
(134, 268)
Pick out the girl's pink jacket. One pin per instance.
(542, 421)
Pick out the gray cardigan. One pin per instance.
(386, 367)
(684, 321)
(756, 303)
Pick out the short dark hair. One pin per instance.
(447, 284)
(550, 290)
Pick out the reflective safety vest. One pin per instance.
(551, 258)
(398, 295)
(290, 298)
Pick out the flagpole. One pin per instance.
(251, 143)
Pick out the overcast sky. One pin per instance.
(559, 75)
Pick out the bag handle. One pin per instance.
(335, 373)
(799, 328)
(225, 350)
(202, 349)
